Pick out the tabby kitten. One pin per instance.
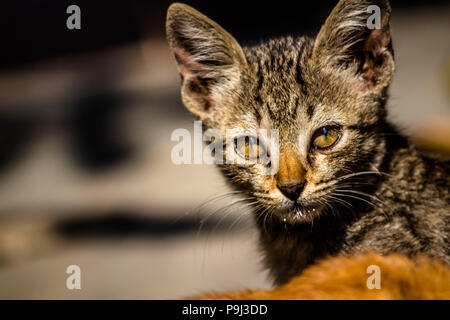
(347, 181)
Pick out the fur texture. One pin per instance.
(371, 191)
(346, 278)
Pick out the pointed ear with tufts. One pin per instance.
(209, 59)
(357, 35)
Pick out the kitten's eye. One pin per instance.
(326, 137)
(250, 148)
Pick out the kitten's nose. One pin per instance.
(292, 191)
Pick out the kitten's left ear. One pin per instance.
(350, 39)
(209, 59)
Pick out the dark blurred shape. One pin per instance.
(123, 224)
(98, 139)
(35, 30)
(16, 132)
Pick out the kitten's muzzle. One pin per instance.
(292, 191)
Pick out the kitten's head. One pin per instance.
(324, 96)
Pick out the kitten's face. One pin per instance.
(326, 105)
(327, 129)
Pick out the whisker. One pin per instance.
(341, 201)
(214, 198)
(360, 193)
(358, 198)
(357, 174)
(203, 220)
(227, 207)
(245, 205)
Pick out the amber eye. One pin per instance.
(250, 148)
(326, 137)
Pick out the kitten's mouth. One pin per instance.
(298, 212)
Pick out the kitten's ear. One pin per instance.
(209, 59)
(351, 38)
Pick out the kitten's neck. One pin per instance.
(288, 249)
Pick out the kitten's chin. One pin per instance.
(297, 213)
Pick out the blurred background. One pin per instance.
(85, 123)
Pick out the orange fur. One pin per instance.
(346, 278)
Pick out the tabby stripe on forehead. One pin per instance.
(260, 79)
(295, 107)
(310, 111)
(298, 71)
(257, 96)
(271, 114)
(257, 114)
(365, 128)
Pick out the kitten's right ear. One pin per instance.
(209, 59)
(346, 40)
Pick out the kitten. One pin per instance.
(346, 182)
